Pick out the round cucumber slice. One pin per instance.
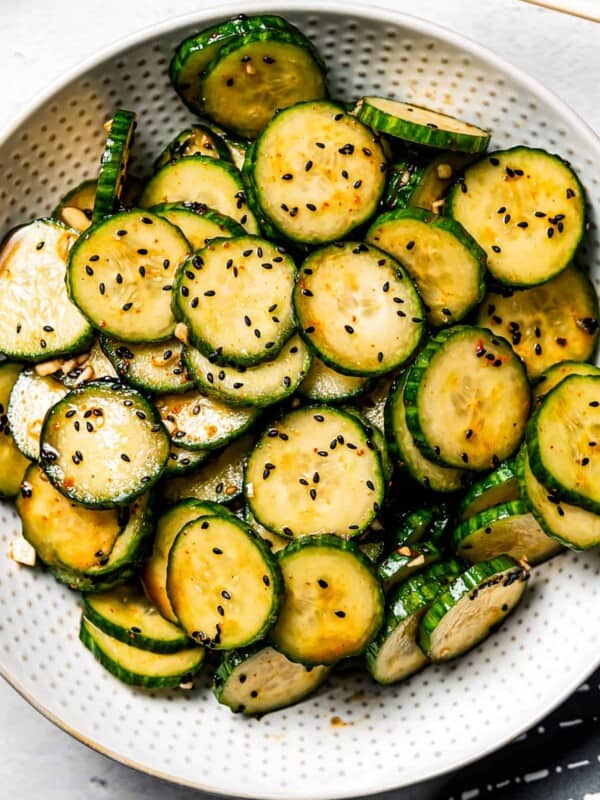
(526, 208)
(149, 367)
(557, 373)
(467, 399)
(222, 582)
(333, 604)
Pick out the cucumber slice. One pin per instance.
(467, 399)
(33, 261)
(222, 582)
(220, 480)
(445, 262)
(272, 540)
(358, 309)
(549, 323)
(168, 525)
(526, 208)
(198, 222)
(198, 422)
(103, 423)
(262, 385)
(126, 614)
(506, 528)
(260, 680)
(404, 561)
(181, 460)
(149, 367)
(31, 397)
(124, 560)
(196, 52)
(425, 523)
(315, 471)
(235, 297)
(256, 75)
(63, 533)
(121, 273)
(333, 604)
(129, 550)
(412, 185)
(113, 164)
(12, 462)
(562, 442)
(324, 385)
(395, 655)
(570, 525)
(138, 667)
(318, 204)
(89, 366)
(556, 374)
(471, 608)
(200, 179)
(403, 447)
(268, 230)
(196, 140)
(500, 486)
(421, 125)
(76, 207)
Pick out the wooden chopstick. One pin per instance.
(575, 8)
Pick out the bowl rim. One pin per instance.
(342, 7)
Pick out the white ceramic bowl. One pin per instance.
(353, 737)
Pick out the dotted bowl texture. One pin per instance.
(353, 737)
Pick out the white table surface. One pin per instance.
(39, 39)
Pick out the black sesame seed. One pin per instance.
(538, 349)
(313, 494)
(594, 404)
(570, 194)
(217, 551)
(340, 614)
(549, 232)
(320, 145)
(506, 219)
(308, 166)
(311, 206)
(510, 172)
(348, 328)
(287, 177)
(501, 210)
(210, 293)
(495, 162)
(310, 329)
(102, 288)
(410, 245)
(522, 224)
(496, 249)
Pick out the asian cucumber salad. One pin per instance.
(319, 387)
